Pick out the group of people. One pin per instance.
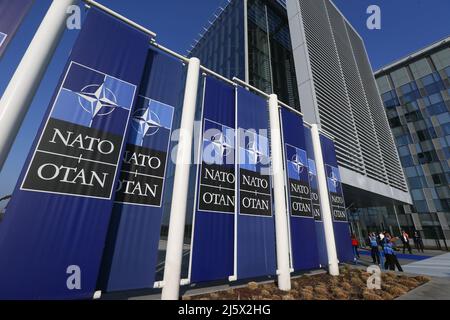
(386, 242)
(418, 243)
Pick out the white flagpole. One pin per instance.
(281, 224)
(21, 89)
(175, 241)
(333, 263)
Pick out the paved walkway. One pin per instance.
(404, 259)
(436, 289)
(438, 266)
(434, 264)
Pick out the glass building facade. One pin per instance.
(416, 95)
(252, 40)
(259, 28)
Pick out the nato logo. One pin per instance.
(333, 179)
(94, 99)
(218, 143)
(152, 123)
(255, 153)
(297, 162)
(2, 38)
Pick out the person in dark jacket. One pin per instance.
(418, 243)
(389, 253)
(405, 240)
(373, 242)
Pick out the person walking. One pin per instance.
(405, 240)
(418, 243)
(389, 253)
(355, 245)
(375, 253)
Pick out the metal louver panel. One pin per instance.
(348, 101)
(332, 98)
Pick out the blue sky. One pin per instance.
(407, 25)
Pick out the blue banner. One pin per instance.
(212, 252)
(315, 200)
(337, 203)
(53, 234)
(12, 13)
(255, 222)
(304, 252)
(131, 252)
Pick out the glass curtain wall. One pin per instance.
(222, 47)
(417, 101)
(271, 63)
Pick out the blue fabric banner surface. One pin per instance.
(12, 13)
(315, 200)
(303, 233)
(131, 252)
(337, 203)
(212, 253)
(255, 222)
(53, 234)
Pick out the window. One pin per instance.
(437, 108)
(430, 79)
(435, 104)
(411, 172)
(415, 183)
(391, 113)
(383, 84)
(444, 118)
(421, 206)
(413, 116)
(446, 152)
(432, 132)
(423, 135)
(400, 77)
(445, 203)
(417, 194)
(408, 88)
(437, 179)
(403, 140)
(432, 83)
(395, 122)
(404, 151)
(420, 68)
(432, 99)
(409, 92)
(407, 161)
(412, 106)
(441, 59)
(427, 157)
(390, 99)
(446, 129)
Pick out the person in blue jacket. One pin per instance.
(389, 253)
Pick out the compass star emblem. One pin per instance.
(146, 122)
(221, 144)
(97, 100)
(255, 154)
(298, 164)
(334, 180)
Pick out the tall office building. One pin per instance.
(307, 53)
(416, 94)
